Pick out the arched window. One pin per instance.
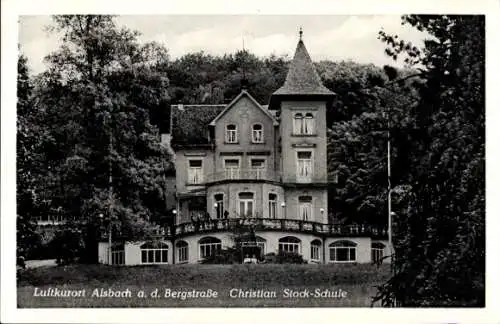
(154, 253)
(309, 124)
(305, 208)
(297, 124)
(289, 244)
(316, 250)
(182, 251)
(257, 133)
(377, 252)
(208, 246)
(231, 134)
(343, 251)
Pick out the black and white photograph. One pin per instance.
(257, 161)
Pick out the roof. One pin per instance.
(302, 77)
(235, 100)
(189, 123)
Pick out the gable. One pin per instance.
(245, 100)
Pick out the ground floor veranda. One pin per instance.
(193, 248)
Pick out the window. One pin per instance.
(297, 124)
(343, 251)
(231, 134)
(273, 206)
(316, 250)
(257, 133)
(118, 254)
(258, 168)
(377, 252)
(289, 244)
(246, 204)
(308, 124)
(154, 252)
(303, 124)
(305, 208)
(182, 251)
(219, 205)
(232, 168)
(304, 166)
(209, 246)
(195, 172)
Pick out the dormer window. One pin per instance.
(303, 124)
(257, 133)
(231, 134)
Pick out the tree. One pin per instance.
(103, 153)
(27, 159)
(439, 230)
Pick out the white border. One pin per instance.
(12, 8)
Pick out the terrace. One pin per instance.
(287, 225)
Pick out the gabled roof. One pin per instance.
(302, 77)
(235, 100)
(189, 123)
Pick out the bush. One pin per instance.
(226, 256)
(284, 257)
(68, 245)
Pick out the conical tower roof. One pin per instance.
(302, 77)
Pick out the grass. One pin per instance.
(358, 281)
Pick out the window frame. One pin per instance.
(377, 252)
(212, 246)
(228, 131)
(246, 201)
(347, 245)
(284, 244)
(163, 247)
(298, 119)
(311, 169)
(189, 168)
(218, 208)
(316, 249)
(255, 131)
(275, 205)
(185, 251)
(306, 204)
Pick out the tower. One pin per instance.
(302, 103)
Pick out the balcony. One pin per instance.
(287, 225)
(243, 174)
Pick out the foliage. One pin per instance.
(289, 257)
(28, 240)
(229, 255)
(98, 96)
(68, 244)
(439, 229)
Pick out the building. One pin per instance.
(256, 176)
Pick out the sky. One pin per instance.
(333, 37)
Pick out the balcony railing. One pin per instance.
(215, 225)
(244, 174)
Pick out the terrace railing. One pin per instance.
(290, 225)
(243, 174)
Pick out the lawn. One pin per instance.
(347, 285)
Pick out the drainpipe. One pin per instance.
(324, 252)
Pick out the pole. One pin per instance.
(389, 200)
(110, 182)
